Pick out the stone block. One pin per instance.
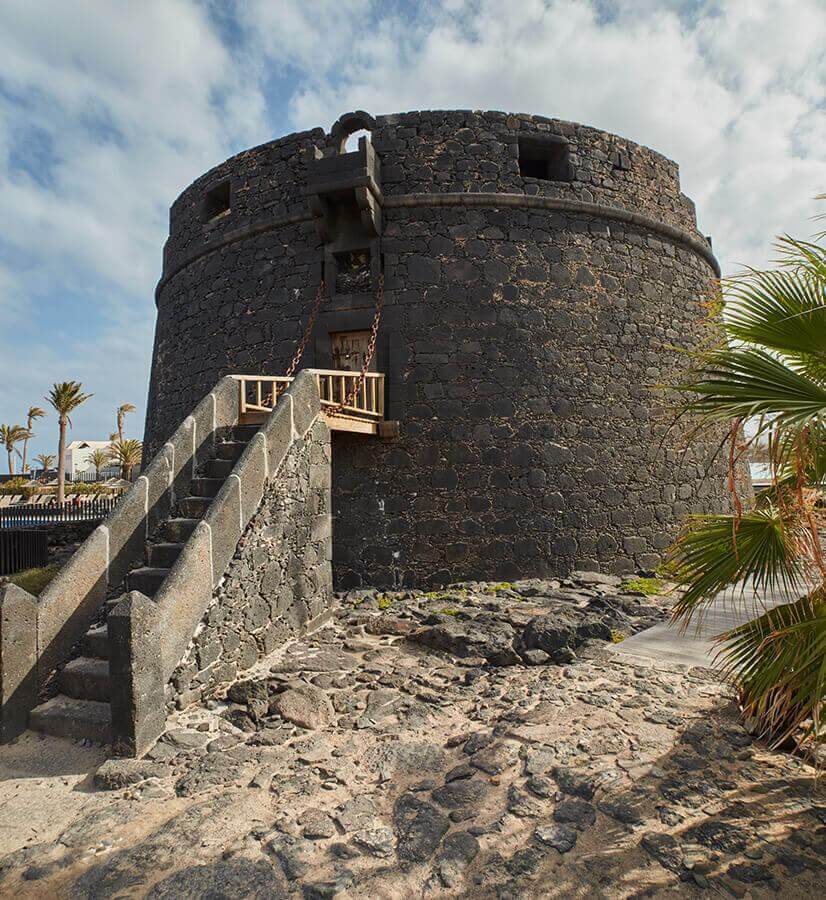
(128, 531)
(278, 431)
(203, 417)
(159, 476)
(184, 597)
(225, 397)
(18, 659)
(306, 402)
(182, 447)
(136, 675)
(68, 604)
(224, 520)
(252, 474)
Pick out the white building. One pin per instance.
(78, 459)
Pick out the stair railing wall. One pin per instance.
(68, 605)
(148, 643)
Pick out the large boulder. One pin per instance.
(481, 636)
(593, 628)
(115, 774)
(419, 828)
(551, 633)
(305, 705)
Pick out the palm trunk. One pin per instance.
(11, 462)
(25, 448)
(61, 461)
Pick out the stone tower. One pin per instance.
(540, 278)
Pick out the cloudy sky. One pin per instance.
(108, 108)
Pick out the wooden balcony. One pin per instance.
(363, 413)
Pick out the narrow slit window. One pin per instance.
(216, 202)
(545, 158)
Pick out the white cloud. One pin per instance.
(117, 106)
(729, 90)
(108, 111)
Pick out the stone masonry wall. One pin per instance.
(535, 436)
(279, 580)
(524, 348)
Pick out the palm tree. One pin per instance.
(127, 454)
(123, 409)
(65, 397)
(46, 461)
(98, 458)
(35, 412)
(9, 436)
(771, 370)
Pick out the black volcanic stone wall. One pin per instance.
(279, 580)
(522, 347)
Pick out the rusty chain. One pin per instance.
(299, 350)
(368, 356)
(358, 383)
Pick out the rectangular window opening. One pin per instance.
(216, 202)
(353, 271)
(545, 158)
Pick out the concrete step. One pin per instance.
(163, 555)
(147, 579)
(219, 468)
(85, 678)
(205, 487)
(230, 449)
(177, 531)
(194, 507)
(96, 642)
(69, 718)
(245, 433)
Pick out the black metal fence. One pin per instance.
(25, 515)
(22, 548)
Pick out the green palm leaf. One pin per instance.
(779, 662)
(804, 256)
(780, 310)
(771, 370)
(715, 552)
(751, 383)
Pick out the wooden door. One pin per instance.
(348, 350)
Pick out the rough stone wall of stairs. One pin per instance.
(279, 581)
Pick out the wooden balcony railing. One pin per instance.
(260, 393)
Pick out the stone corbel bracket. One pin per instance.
(344, 195)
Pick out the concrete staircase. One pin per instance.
(81, 708)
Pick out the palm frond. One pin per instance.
(799, 456)
(66, 396)
(715, 552)
(782, 310)
(803, 256)
(779, 663)
(747, 383)
(127, 452)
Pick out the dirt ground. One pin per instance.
(361, 762)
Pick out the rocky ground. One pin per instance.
(477, 742)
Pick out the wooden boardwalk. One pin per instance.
(673, 644)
